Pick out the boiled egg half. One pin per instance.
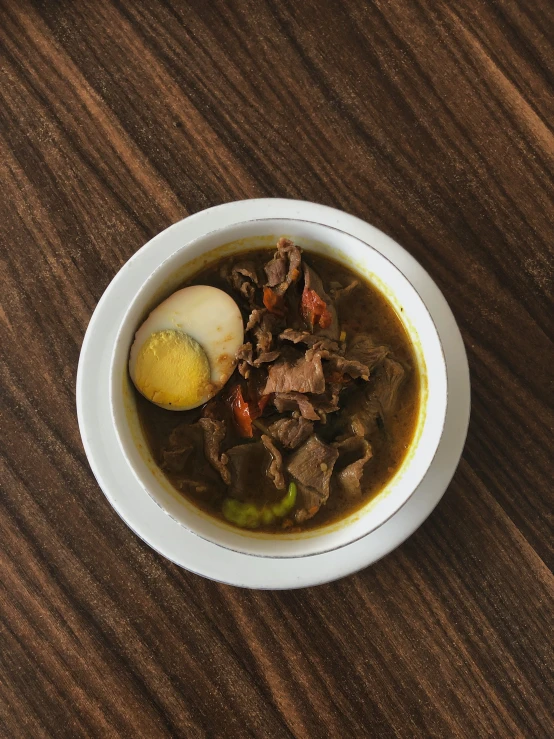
(185, 351)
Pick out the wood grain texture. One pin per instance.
(431, 120)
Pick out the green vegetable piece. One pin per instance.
(245, 515)
(286, 504)
(249, 516)
(267, 516)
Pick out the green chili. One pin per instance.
(249, 516)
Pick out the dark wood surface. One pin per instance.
(430, 119)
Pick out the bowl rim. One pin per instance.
(113, 384)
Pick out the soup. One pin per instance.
(319, 411)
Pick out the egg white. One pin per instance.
(209, 316)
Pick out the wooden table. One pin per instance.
(433, 121)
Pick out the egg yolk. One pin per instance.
(172, 369)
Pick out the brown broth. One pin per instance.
(365, 310)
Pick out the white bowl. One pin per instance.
(411, 310)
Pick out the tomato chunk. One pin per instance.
(273, 302)
(314, 309)
(241, 412)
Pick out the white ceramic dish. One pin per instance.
(170, 537)
(379, 270)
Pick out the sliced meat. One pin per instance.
(350, 367)
(308, 503)
(245, 464)
(181, 443)
(284, 268)
(339, 293)
(366, 410)
(354, 453)
(245, 356)
(247, 268)
(254, 387)
(255, 318)
(312, 281)
(272, 323)
(263, 338)
(388, 383)
(276, 269)
(291, 432)
(214, 433)
(303, 376)
(262, 326)
(305, 337)
(295, 401)
(294, 254)
(245, 353)
(244, 369)
(329, 401)
(243, 277)
(336, 363)
(275, 469)
(248, 290)
(365, 416)
(328, 350)
(312, 464)
(245, 359)
(184, 459)
(266, 357)
(175, 460)
(361, 348)
(204, 489)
